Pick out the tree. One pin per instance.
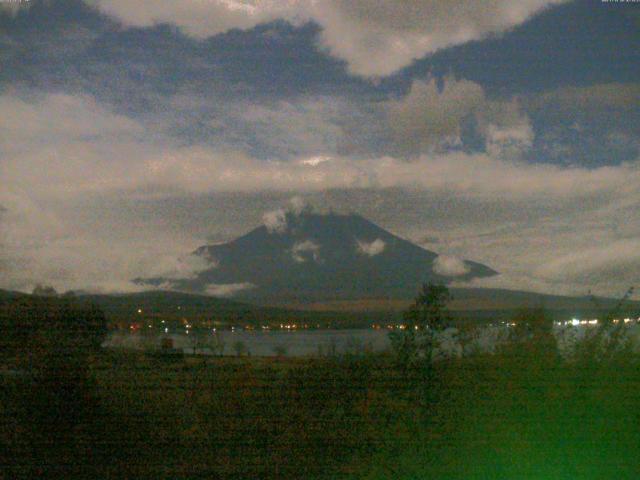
(532, 341)
(534, 329)
(52, 342)
(44, 291)
(427, 315)
(33, 323)
(609, 339)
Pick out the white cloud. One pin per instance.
(75, 257)
(506, 129)
(227, 289)
(302, 251)
(315, 161)
(184, 267)
(378, 37)
(63, 143)
(375, 37)
(619, 258)
(197, 17)
(509, 141)
(297, 205)
(449, 266)
(74, 247)
(13, 7)
(429, 119)
(198, 169)
(76, 116)
(371, 249)
(75, 157)
(307, 127)
(275, 221)
(88, 201)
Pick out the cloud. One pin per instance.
(185, 267)
(70, 158)
(375, 37)
(199, 169)
(618, 260)
(13, 7)
(307, 127)
(75, 246)
(227, 289)
(507, 131)
(275, 221)
(90, 149)
(592, 125)
(371, 249)
(429, 119)
(592, 97)
(196, 17)
(378, 37)
(509, 141)
(94, 199)
(449, 266)
(64, 143)
(77, 117)
(303, 251)
(298, 205)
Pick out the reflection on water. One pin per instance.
(262, 343)
(449, 343)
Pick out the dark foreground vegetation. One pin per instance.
(71, 410)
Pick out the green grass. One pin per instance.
(504, 416)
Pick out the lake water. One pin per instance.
(331, 342)
(264, 343)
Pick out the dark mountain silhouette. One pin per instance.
(310, 256)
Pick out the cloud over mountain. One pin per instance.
(288, 264)
(227, 289)
(449, 266)
(371, 249)
(307, 249)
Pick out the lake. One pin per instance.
(332, 342)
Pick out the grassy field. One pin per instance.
(503, 416)
(69, 409)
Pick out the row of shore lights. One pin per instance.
(575, 322)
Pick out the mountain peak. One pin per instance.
(306, 255)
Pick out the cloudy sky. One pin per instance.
(502, 131)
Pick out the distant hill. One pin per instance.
(309, 256)
(468, 304)
(485, 303)
(177, 305)
(8, 295)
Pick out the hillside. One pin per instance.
(193, 307)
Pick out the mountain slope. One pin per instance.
(311, 256)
